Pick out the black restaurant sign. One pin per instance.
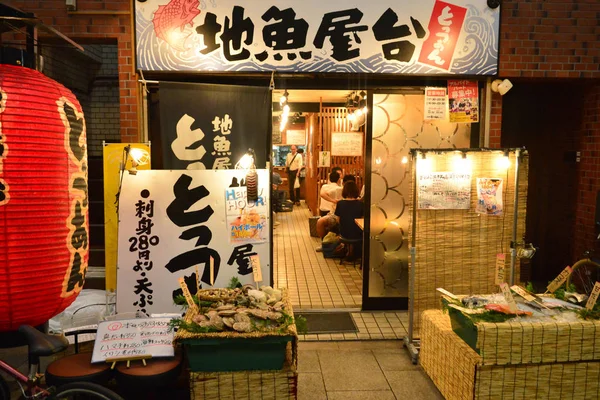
(207, 126)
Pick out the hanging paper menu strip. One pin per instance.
(500, 268)
(593, 297)
(559, 280)
(212, 271)
(187, 295)
(256, 269)
(512, 304)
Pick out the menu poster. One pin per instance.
(444, 191)
(295, 136)
(324, 159)
(463, 100)
(489, 196)
(346, 144)
(436, 103)
(246, 220)
(133, 337)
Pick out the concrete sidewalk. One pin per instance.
(360, 370)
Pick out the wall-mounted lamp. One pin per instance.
(404, 160)
(71, 5)
(247, 163)
(138, 157)
(501, 86)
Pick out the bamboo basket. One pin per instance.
(244, 385)
(456, 249)
(457, 370)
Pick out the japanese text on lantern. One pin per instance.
(77, 242)
(4, 195)
(286, 35)
(222, 146)
(444, 29)
(142, 243)
(177, 212)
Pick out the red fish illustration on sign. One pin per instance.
(175, 14)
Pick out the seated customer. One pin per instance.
(348, 210)
(330, 194)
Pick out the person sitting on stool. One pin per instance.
(348, 210)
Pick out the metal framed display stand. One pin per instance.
(412, 344)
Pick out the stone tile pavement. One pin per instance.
(360, 370)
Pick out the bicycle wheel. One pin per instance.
(584, 276)
(4, 389)
(84, 390)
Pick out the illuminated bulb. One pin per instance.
(462, 164)
(404, 160)
(424, 165)
(286, 110)
(378, 161)
(246, 161)
(503, 162)
(282, 100)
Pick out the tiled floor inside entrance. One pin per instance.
(315, 282)
(312, 280)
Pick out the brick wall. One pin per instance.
(550, 39)
(558, 39)
(589, 173)
(103, 117)
(84, 28)
(547, 39)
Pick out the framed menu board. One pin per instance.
(346, 144)
(297, 137)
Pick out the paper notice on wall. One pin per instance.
(246, 220)
(444, 191)
(463, 101)
(436, 103)
(489, 196)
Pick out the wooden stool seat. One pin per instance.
(77, 368)
(158, 372)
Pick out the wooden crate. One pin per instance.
(459, 373)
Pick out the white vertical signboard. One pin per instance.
(172, 223)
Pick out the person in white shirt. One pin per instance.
(293, 163)
(330, 194)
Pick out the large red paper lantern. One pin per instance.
(43, 198)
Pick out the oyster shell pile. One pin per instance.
(243, 309)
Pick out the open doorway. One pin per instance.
(325, 129)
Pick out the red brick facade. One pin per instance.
(558, 39)
(589, 172)
(98, 20)
(550, 39)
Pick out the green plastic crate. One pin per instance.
(464, 328)
(236, 354)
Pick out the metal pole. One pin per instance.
(413, 252)
(513, 249)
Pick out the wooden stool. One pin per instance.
(158, 373)
(77, 368)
